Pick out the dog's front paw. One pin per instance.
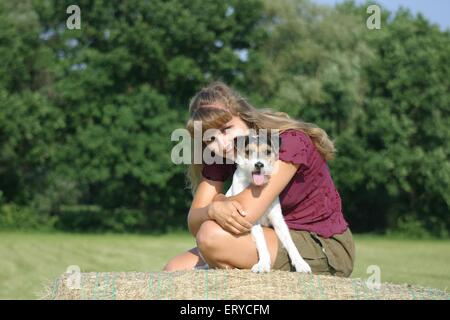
(262, 266)
(301, 266)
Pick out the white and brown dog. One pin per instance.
(255, 159)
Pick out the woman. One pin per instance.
(310, 202)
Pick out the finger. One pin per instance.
(243, 222)
(238, 225)
(239, 208)
(232, 229)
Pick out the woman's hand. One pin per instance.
(229, 215)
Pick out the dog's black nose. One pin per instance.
(259, 165)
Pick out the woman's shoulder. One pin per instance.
(296, 133)
(295, 146)
(295, 139)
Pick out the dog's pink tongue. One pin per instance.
(258, 178)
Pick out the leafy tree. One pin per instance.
(381, 94)
(402, 133)
(88, 113)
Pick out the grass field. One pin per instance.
(29, 259)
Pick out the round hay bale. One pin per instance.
(221, 284)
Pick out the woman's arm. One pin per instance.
(209, 204)
(204, 196)
(256, 200)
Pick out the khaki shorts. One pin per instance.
(329, 256)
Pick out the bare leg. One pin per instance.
(185, 261)
(221, 248)
(224, 250)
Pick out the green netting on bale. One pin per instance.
(226, 284)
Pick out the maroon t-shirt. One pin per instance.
(310, 201)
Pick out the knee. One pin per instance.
(178, 263)
(173, 265)
(209, 237)
(169, 266)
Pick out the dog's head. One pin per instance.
(256, 155)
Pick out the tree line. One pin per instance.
(86, 115)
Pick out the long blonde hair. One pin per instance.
(201, 109)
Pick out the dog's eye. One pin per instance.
(268, 152)
(211, 139)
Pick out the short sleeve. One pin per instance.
(295, 147)
(218, 172)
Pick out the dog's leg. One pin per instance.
(282, 231)
(263, 264)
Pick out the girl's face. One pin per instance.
(223, 143)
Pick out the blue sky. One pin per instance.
(437, 11)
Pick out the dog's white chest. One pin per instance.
(240, 182)
(256, 170)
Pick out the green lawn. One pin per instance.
(29, 259)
